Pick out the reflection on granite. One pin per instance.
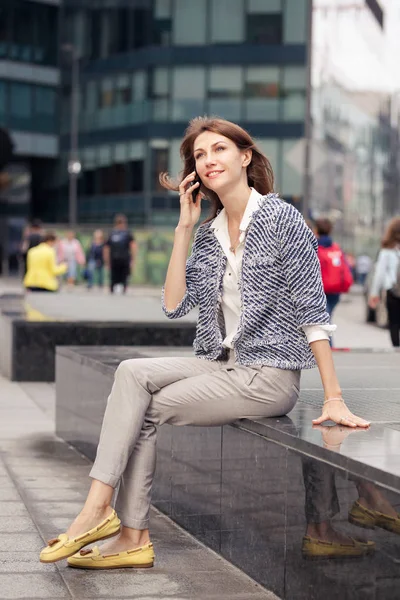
(253, 490)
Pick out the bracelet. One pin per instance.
(332, 399)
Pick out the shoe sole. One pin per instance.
(357, 523)
(106, 537)
(336, 556)
(147, 566)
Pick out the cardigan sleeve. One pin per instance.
(190, 299)
(298, 248)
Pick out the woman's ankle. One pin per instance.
(137, 537)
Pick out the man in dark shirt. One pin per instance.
(119, 253)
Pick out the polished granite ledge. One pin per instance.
(251, 490)
(372, 454)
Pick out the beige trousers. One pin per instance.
(148, 392)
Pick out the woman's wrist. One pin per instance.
(336, 393)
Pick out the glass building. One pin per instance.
(148, 66)
(355, 128)
(29, 81)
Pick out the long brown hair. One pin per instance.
(392, 234)
(259, 172)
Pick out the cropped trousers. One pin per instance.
(148, 392)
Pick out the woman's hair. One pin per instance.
(49, 236)
(392, 234)
(259, 171)
(323, 226)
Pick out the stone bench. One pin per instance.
(243, 489)
(29, 337)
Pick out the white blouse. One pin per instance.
(231, 304)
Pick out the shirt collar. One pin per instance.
(251, 206)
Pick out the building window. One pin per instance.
(45, 109)
(106, 98)
(293, 93)
(3, 102)
(159, 163)
(190, 22)
(5, 30)
(21, 106)
(295, 22)
(291, 179)
(23, 32)
(162, 24)
(188, 92)
(225, 92)
(46, 34)
(227, 21)
(159, 93)
(262, 93)
(141, 27)
(260, 7)
(264, 29)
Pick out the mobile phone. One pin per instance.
(196, 191)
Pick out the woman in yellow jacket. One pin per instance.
(42, 269)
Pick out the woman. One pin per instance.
(42, 269)
(387, 277)
(70, 251)
(95, 260)
(251, 340)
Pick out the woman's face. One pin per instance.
(219, 162)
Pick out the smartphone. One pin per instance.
(196, 191)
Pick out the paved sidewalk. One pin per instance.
(42, 487)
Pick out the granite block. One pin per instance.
(251, 490)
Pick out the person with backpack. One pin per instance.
(336, 273)
(120, 253)
(387, 277)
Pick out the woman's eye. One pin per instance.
(220, 148)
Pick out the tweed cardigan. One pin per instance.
(280, 285)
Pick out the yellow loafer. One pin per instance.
(315, 549)
(63, 546)
(140, 558)
(369, 519)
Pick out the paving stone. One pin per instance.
(21, 542)
(32, 586)
(9, 494)
(12, 508)
(24, 562)
(54, 494)
(16, 525)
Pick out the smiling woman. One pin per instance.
(228, 137)
(255, 275)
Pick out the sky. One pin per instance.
(350, 45)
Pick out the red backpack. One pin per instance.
(336, 273)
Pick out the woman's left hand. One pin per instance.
(337, 411)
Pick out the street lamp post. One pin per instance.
(74, 165)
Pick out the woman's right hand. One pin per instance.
(190, 211)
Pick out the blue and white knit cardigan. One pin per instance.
(280, 286)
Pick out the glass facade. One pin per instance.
(352, 174)
(28, 32)
(28, 107)
(155, 64)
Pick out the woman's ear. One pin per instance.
(247, 156)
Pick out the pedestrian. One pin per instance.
(95, 260)
(42, 268)
(120, 254)
(363, 267)
(254, 273)
(70, 250)
(387, 277)
(32, 236)
(336, 273)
